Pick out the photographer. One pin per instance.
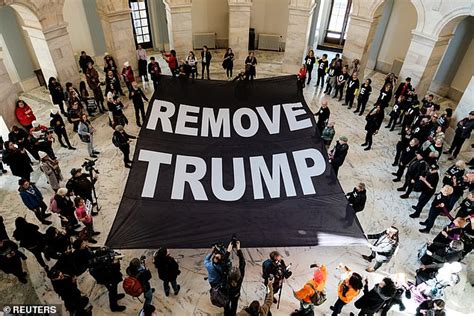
(104, 267)
(42, 139)
(217, 266)
(10, 260)
(168, 270)
(255, 309)
(80, 185)
(138, 270)
(275, 266)
(66, 287)
(56, 243)
(234, 281)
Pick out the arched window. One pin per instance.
(141, 24)
(338, 21)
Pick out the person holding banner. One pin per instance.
(122, 140)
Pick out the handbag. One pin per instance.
(85, 138)
(218, 297)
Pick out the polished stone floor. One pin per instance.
(384, 208)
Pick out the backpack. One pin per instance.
(265, 266)
(317, 298)
(218, 297)
(132, 286)
(53, 205)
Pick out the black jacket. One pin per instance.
(29, 236)
(121, 139)
(416, 168)
(372, 300)
(323, 116)
(57, 123)
(208, 57)
(81, 185)
(464, 128)
(357, 199)
(84, 60)
(374, 120)
(106, 273)
(407, 155)
(234, 292)
(137, 97)
(339, 154)
(57, 93)
(398, 92)
(168, 269)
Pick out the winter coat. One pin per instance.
(168, 269)
(357, 199)
(57, 93)
(384, 247)
(312, 285)
(31, 198)
(25, 115)
(264, 309)
(52, 171)
(374, 120)
(19, 162)
(339, 154)
(29, 236)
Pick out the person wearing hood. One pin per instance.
(33, 200)
(10, 260)
(57, 123)
(384, 248)
(372, 301)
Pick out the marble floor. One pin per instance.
(384, 208)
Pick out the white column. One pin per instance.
(239, 24)
(8, 95)
(423, 58)
(180, 26)
(299, 18)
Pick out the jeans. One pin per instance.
(228, 72)
(432, 215)
(90, 145)
(206, 67)
(320, 79)
(148, 296)
(349, 99)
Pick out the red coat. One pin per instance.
(302, 73)
(25, 115)
(127, 74)
(172, 61)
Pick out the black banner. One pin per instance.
(217, 158)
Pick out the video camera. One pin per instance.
(103, 256)
(89, 164)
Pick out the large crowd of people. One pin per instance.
(422, 127)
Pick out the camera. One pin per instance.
(234, 241)
(103, 256)
(89, 164)
(219, 248)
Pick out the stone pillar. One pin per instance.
(62, 54)
(360, 34)
(299, 19)
(422, 60)
(239, 24)
(180, 26)
(8, 95)
(117, 26)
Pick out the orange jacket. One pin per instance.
(350, 294)
(317, 283)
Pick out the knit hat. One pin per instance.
(75, 170)
(35, 124)
(126, 64)
(343, 138)
(119, 128)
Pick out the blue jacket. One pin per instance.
(31, 200)
(215, 273)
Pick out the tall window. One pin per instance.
(338, 21)
(141, 24)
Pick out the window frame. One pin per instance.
(340, 39)
(137, 24)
